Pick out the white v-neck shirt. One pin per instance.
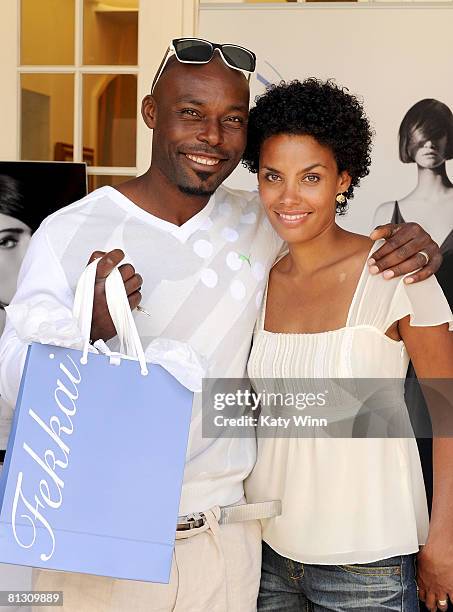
(203, 284)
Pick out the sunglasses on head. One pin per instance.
(199, 51)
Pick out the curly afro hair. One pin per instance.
(322, 109)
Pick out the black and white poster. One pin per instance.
(29, 192)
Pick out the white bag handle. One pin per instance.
(119, 310)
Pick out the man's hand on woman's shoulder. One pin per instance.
(407, 248)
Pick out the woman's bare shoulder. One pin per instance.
(359, 244)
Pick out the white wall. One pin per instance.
(8, 73)
(160, 21)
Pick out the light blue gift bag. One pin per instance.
(95, 459)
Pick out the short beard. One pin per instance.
(195, 191)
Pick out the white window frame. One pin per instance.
(159, 22)
(78, 70)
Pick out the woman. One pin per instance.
(14, 238)
(354, 510)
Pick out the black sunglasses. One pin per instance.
(199, 51)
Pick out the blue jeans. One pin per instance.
(289, 586)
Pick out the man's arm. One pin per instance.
(401, 252)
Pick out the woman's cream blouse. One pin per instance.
(345, 500)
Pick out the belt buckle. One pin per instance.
(191, 521)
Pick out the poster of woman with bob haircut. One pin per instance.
(426, 140)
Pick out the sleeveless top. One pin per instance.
(345, 500)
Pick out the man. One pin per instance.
(203, 252)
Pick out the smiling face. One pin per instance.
(298, 183)
(14, 239)
(199, 117)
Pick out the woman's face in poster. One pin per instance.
(426, 150)
(14, 238)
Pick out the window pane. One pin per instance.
(47, 117)
(110, 32)
(47, 32)
(94, 182)
(110, 118)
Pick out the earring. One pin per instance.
(340, 199)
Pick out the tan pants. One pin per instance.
(216, 568)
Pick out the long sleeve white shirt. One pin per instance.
(203, 284)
